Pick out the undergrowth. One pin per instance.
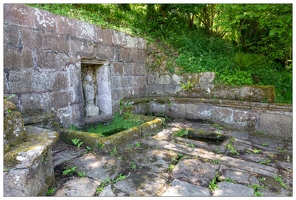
(119, 123)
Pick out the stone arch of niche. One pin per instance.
(96, 86)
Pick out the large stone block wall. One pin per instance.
(44, 55)
(42, 62)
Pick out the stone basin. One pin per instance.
(101, 143)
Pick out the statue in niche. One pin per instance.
(89, 95)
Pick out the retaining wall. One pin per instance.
(44, 55)
(266, 118)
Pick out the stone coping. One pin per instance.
(119, 140)
(267, 118)
(219, 102)
(26, 154)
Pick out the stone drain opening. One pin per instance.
(209, 138)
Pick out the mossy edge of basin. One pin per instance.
(119, 140)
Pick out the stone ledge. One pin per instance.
(28, 167)
(38, 118)
(99, 119)
(268, 118)
(117, 140)
(25, 155)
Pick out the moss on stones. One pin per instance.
(14, 131)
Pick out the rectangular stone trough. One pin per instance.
(119, 140)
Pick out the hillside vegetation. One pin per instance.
(245, 44)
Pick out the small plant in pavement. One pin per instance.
(230, 180)
(256, 188)
(81, 174)
(265, 162)
(133, 166)
(280, 180)
(77, 142)
(50, 191)
(213, 184)
(69, 171)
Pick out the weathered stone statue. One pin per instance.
(89, 94)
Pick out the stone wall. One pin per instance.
(43, 55)
(50, 62)
(267, 118)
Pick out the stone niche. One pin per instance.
(96, 86)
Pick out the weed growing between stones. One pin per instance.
(50, 191)
(181, 133)
(265, 162)
(231, 148)
(254, 151)
(213, 184)
(230, 180)
(69, 171)
(81, 174)
(77, 142)
(108, 181)
(280, 180)
(256, 188)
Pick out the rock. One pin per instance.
(14, 130)
(181, 188)
(227, 189)
(78, 187)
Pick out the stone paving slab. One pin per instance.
(162, 166)
(78, 187)
(143, 183)
(227, 189)
(195, 171)
(182, 188)
(98, 167)
(64, 152)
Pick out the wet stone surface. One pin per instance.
(246, 164)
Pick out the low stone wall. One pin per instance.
(268, 118)
(28, 167)
(200, 85)
(100, 143)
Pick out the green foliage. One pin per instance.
(73, 127)
(186, 86)
(280, 180)
(171, 167)
(77, 142)
(256, 188)
(113, 151)
(181, 133)
(213, 184)
(107, 181)
(231, 148)
(133, 166)
(69, 171)
(119, 123)
(9, 97)
(138, 145)
(265, 162)
(81, 174)
(50, 191)
(230, 180)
